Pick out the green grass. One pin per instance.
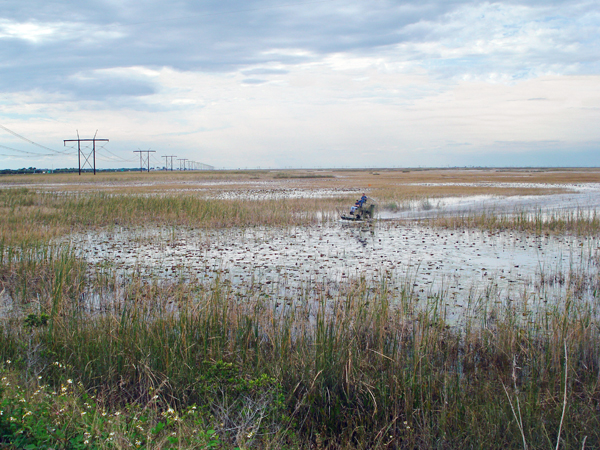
(66, 416)
(365, 369)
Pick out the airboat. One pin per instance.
(364, 211)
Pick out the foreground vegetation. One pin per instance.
(92, 360)
(183, 366)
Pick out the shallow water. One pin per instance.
(583, 198)
(460, 266)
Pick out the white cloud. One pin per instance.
(262, 83)
(44, 32)
(27, 31)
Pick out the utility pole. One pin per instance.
(182, 163)
(166, 163)
(144, 159)
(86, 157)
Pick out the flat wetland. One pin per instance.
(234, 309)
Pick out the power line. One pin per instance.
(26, 152)
(110, 158)
(116, 156)
(13, 156)
(30, 141)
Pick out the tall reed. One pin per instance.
(32, 216)
(356, 370)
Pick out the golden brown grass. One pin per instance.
(54, 204)
(399, 181)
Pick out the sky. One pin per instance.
(301, 84)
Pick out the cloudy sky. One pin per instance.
(314, 83)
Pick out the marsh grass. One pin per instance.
(385, 183)
(29, 216)
(361, 368)
(42, 276)
(580, 222)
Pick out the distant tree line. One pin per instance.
(23, 170)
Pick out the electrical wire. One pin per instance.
(116, 156)
(31, 142)
(26, 152)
